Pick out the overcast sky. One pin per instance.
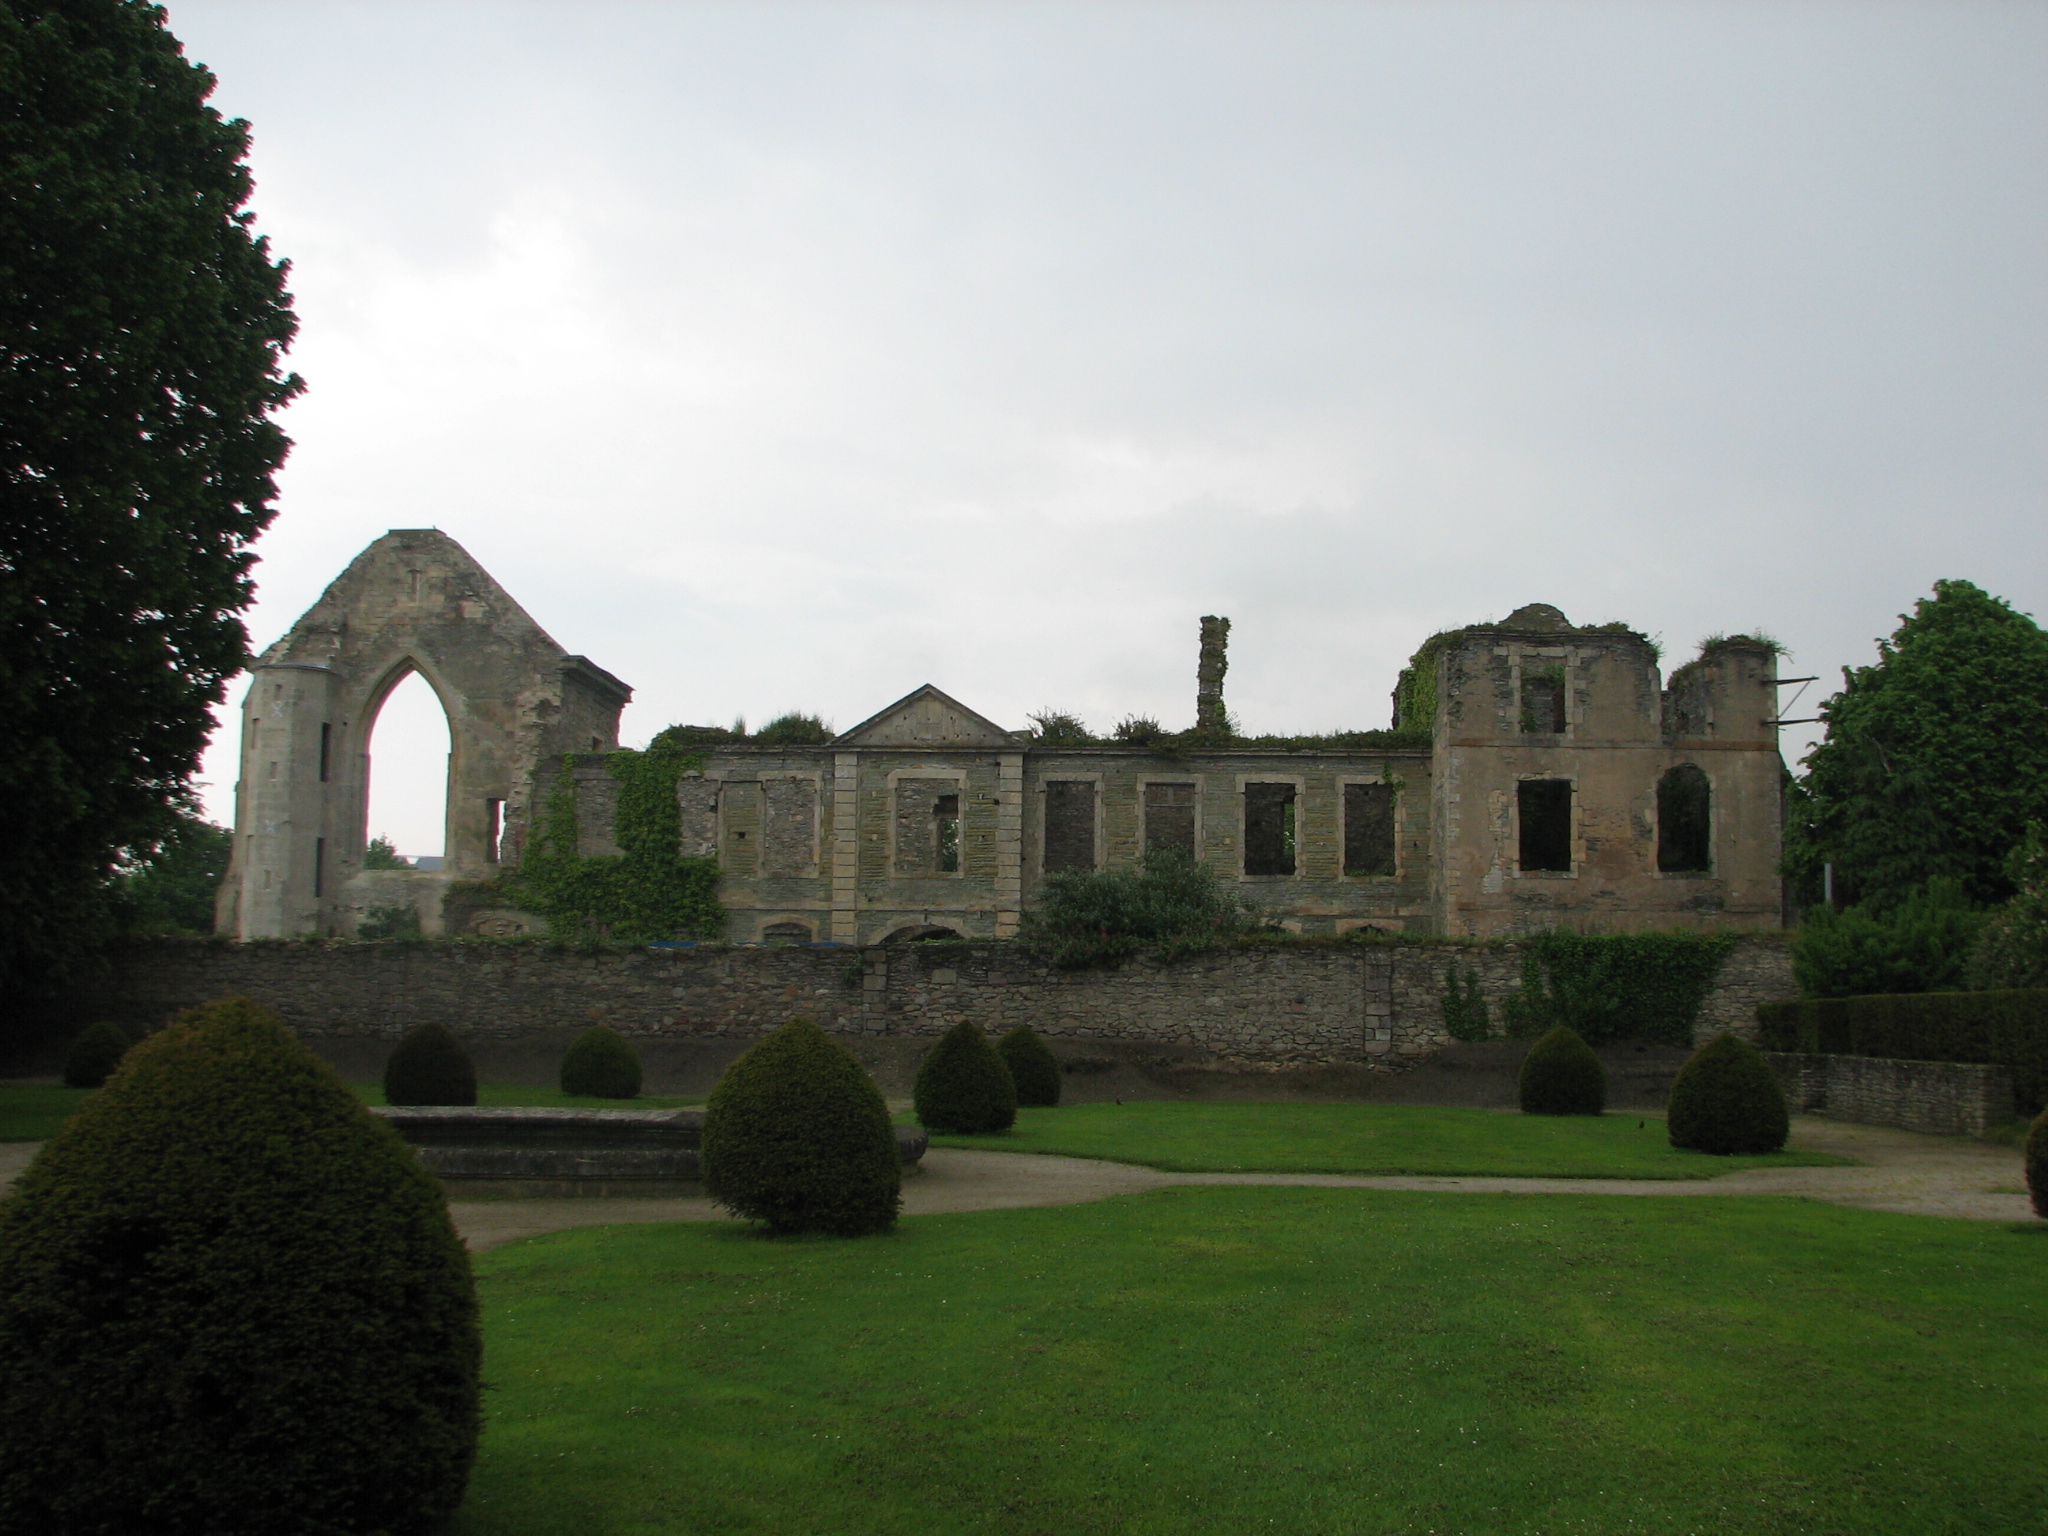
(788, 356)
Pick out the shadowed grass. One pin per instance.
(35, 1111)
(1197, 1362)
(1368, 1138)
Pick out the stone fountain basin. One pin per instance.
(490, 1151)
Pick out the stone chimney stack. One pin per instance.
(1209, 714)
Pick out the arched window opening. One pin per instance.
(408, 773)
(1685, 840)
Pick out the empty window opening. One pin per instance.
(1269, 829)
(1069, 826)
(1170, 819)
(927, 826)
(1543, 702)
(319, 866)
(494, 829)
(326, 748)
(786, 933)
(946, 833)
(407, 770)
(1685, 840)
(1368, 829)
(1545, 807)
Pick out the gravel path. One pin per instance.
(1894, 1171)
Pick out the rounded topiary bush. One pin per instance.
(429, 1066)
(1562, 1076)
(2037, 1164)
(796, 1134)
(94, 1055)
(601, 1065)
(1033, 1067)
(1727, 1099)
(231, 1301)
(964, 1087)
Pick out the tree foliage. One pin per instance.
(1923, 944)
(142, 323)
(380, 853)
(2012, 951)
(1936, 758)
(169, 888)
(232, 1304)
(95, 1054)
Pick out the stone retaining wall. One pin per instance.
(1378, 1004)
(1946, 1098)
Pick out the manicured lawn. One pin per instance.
(1231, 1360)
(1366, 1138)
(33, 1112)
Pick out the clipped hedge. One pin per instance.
(429, 1066)
(1033, 1067)
(796, 1134)
(94, 1055)
(232, 1304)
(2037, 1164)
(2006, 1029)
(601, 1065)
(1562, 1076)
(1727, 1099)
(964, 1088)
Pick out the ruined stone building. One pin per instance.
(1541, 775)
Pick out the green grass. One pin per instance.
(1367, 1138)
(33, 1112)
(1302, 1362)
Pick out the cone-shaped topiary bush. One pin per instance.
(2037, 1164)
(94, 1055)
(601, 1065)
(1033, 1067)
(232, 1304)
(796, 1134)
(1727, 1099)
(964, 1087)
(429, 1066)
(1562, 1076)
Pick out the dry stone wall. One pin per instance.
(1378, 1004)
(1946, 1098)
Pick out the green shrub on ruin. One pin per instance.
(797, 1135)
(1727, 1099)
(429, 1066)
(2037, 1164)
(964, 1088)
(1170, 906)
(1033, 1067)
(94, 1055)
(1466, 1016)
(1562, 1076)
(231, 1304)
(601, 1065)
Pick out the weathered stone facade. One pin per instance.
(1376, 1003)
(1556, 782)
(1944, 1098)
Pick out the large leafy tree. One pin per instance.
(142, 323)
(1935, 760)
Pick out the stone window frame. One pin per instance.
(818, 812)
(1400, 788)
(808, 921)
(1300, 783)
(1578, 838)
(1564, 658)
(926, 771)
(1199, 781)
(726, 780)
(1713, 869)
(1100, 781)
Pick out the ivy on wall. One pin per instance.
(646, 892)
(1644, 986)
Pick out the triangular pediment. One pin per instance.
(927, 718)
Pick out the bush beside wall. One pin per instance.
(2008, 1029)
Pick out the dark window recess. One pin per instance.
(1684, 822)
(494, 829)
(1269, 829)
(1546, 815)
(1368, 829)
(786, 933)
(1170, 819)
(1069, 826)
(1543, 702)
(326, 746)
(946, 819)
(319, 866)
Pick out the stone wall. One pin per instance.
(1377, 1004)
(1946, 1098)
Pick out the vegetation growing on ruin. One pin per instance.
(1643, 986)
(645, 893)
(1466, 1015)
(1170, 906)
